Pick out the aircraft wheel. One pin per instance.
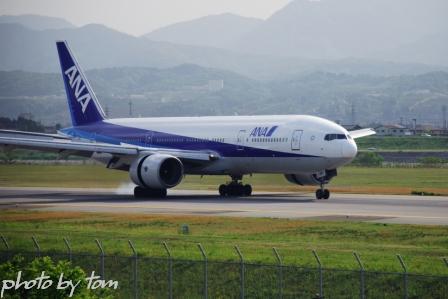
(233, 190)
(140, 192)
(319, 194)
(223, 190)
(326, 194)
(247, 190)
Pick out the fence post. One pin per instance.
(242, 270)
(36, 244)
(135, 277)
(321, 278)
(361, 271)
(69, 249)
(170, 270)
(5, 242)
(405, 275)
(280, 272)
(100, 247)
(205, 270)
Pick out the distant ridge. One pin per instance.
(36, 22)
(97, 46)
(212, 31)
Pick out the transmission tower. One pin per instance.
(444, 117)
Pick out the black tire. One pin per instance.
(247, 190)
(319, 194)
(140, 192)
(222, 190)
(232, 190)
(326, 194)
(162, 193)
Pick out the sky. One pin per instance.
(138, 17)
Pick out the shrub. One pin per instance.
(368, 159)
(33, 269)
(432, 160)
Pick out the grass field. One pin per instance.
(350, 179)
(405, 143)
(421, 246)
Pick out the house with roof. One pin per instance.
(393, 130)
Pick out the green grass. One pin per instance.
(405, 143)
(350, 179)
(421, 246)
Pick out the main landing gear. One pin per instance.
(140, 192)
(235, 188)
(322, 193)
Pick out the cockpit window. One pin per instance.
(330, 137)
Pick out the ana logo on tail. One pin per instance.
(78, 85)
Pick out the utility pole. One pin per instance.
(130, 108)
(444, 117)
(353, 114)
(415, 125)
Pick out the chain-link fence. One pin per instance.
(168, 277)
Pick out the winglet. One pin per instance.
(83, 104)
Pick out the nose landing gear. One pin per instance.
(235, 188)
(322, 193)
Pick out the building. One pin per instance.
(430, 130)
(215, 85)
(351, 127)
(393, 130)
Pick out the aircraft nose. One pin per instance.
(349, 149)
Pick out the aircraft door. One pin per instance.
(241, 140)
(295, 140)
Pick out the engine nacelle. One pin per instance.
(314, 179)
(158, 171)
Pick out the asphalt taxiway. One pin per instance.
(351, 207)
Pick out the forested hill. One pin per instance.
(194, 90)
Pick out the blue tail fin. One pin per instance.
(83, 104)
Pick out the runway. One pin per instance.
(345, 207)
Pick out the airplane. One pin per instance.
(158, 152)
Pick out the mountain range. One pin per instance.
(385, 58)
(218, 31)
(366, 37)
(190, 90)
(36, 22)
(328, 29)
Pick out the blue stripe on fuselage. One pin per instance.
(116, 134)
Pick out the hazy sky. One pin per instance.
(138, 16)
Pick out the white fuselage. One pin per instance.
(248, 144)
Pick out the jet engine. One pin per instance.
(158, 171)
(314, 179)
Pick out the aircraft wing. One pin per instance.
(362, 133)
(65, 145)
(22, 134)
